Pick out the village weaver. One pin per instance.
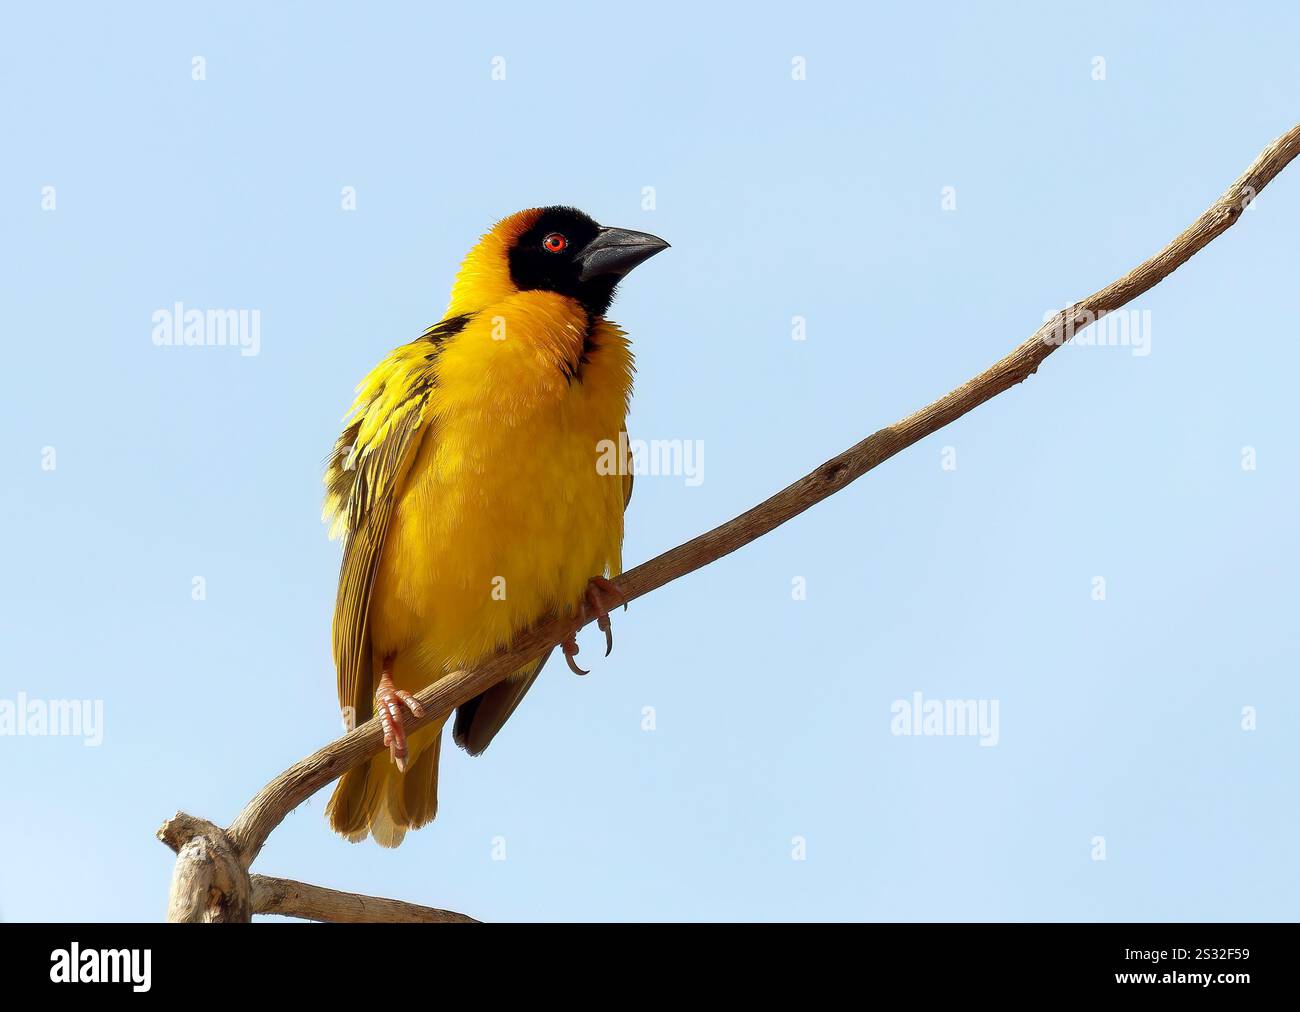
(467, 490)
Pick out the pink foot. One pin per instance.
(390, 704)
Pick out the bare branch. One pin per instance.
(209, 885)
(208, 882)
(303, 779)
(315, 903)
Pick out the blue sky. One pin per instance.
(1118, 719)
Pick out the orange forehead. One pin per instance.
(510, 228)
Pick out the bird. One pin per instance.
(468, 491)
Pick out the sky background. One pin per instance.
(819, 198)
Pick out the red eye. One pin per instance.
(554, 243)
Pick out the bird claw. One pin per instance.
(390, 704)
(598, 590)
(600, 594)
(570, 648)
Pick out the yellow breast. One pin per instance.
(507, 510)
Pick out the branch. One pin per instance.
(298, 899)
(305, 778)
(209, 884)
(249, 832)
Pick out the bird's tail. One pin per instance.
(379, 800)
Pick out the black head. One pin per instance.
(565, 251)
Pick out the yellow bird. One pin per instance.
(473, 491)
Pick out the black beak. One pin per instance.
(616, 251)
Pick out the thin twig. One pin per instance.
(305, 778)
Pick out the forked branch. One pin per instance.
(249, 832)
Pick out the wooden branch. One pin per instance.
(209, 884)
(250, 830)
(305, 778)
(315, 903)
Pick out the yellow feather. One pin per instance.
(504, 515)
(480, 455)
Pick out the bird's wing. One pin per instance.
(388, 421)
(479, 719)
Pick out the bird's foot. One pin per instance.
(391, 704)
(601, 595)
